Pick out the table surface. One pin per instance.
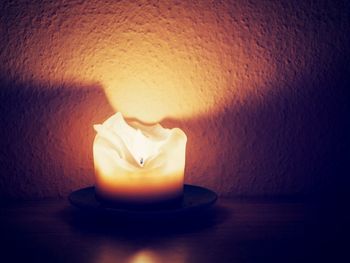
(236, 230)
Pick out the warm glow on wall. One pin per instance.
(167, 60)
(253, 84)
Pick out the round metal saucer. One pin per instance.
(195, 199)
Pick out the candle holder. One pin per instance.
(139, 169)
(194, 199)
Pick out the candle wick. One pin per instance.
(141, 161)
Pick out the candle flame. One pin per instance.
(142, 148)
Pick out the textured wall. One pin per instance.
(258, 86)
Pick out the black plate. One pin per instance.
(195, 199)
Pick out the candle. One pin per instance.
(138, 164)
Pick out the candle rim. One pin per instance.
(105, 131)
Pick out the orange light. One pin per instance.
(154, 61)
(145, 256)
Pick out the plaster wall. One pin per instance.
(259, 87)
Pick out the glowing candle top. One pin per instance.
(138, 162)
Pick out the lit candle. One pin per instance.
(138, 164)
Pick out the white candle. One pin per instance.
(138, 164)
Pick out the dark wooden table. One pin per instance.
(255, 230)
